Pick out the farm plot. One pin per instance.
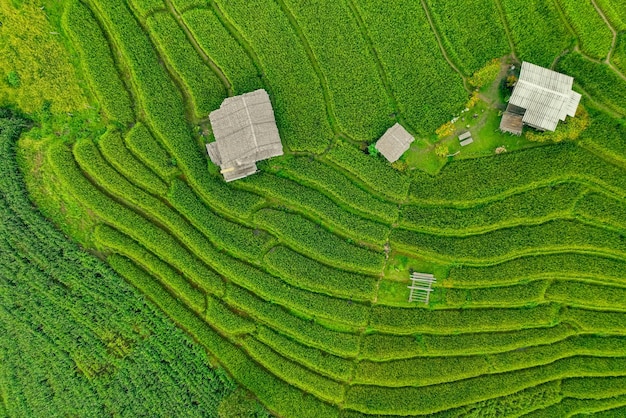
(537, 30)
(472, 32)
(295, 279)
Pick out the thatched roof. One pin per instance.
(394, 142)
(245, 132)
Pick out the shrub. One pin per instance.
(487, 74)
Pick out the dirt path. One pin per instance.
(611, 28)
(443, 50)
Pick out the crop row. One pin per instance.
(457, 33)
(108, 238)
(308, 332)
(594, 36)
(515, 404)
(225, 234)
(314, 204)
(599, 80)
(153, 238)
(566, 265)
(164, 110)
(113, 149)
(473, 180)
(615, 13)
(224, 50)
(606, 137)
(597, 207)
(374, 172)
(326, 364)
(273, 392)
(601, 408)
(619, 54)
(533, 206)
(538, 32)
(97, 62)
(503, 296)
(202, 84)
(587, 295)
(307, 273)
(410, 320)
(331, 182)
(427, 89)
(275, 290)
(383, 347)
(298, 98)
(79, 361)
(434, 398)
(293, 372)
(143, 145)
(359, 99)
(309, 238)
(243, 242)
(596, 321)
(147, 7)
(553, 236)
(435, 370)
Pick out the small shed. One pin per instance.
(245, 132)
(394, 142)
(542, 98)
(466, 138)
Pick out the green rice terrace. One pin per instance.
(479, 274)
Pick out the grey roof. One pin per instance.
(467, 141)
(394, 142)
(465, 135)
(546, 95)
(245, 132)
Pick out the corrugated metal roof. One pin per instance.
(245, 132)
(546, 95)
(394, 142)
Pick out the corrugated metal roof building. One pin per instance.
(394, 142)
(245, 132)
(544, 97)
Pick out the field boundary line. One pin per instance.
(507, 28)
(330, 108)
(478, 262)
(201, 52)
(441, 47)
(379, 66)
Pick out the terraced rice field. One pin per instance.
(295, 279)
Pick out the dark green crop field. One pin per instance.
(134, 281)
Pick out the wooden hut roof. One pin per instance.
(245, 132)
(394, 142)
